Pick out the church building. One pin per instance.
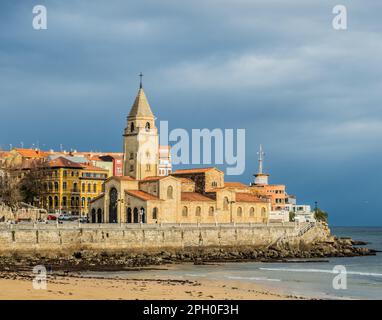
(144, 195)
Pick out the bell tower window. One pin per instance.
(132, 127)
(147, 127)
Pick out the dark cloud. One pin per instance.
(309, 93)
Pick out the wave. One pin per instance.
(252, 278)
(358, 273)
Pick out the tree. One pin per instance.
(31, 185)
(321, 215)
(10, 190)
(292, 215)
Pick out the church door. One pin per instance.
(113, 207)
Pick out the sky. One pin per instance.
(310, 94)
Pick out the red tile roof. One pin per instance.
(194, 196)
(186, 180)
(92, 168)
(141, 195)
(194, 170)
(247, 197)
(31, 153)
(153, 178)
(62, 162)
(234, 185)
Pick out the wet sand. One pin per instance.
(17, 287)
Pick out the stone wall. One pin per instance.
(104, 237)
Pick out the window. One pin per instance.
(198, 211)
(83, 202)
(56, 186)
(170, 192)
(252, 212)
(147, 127)
(239, 212)
(131, 156)
(95, 188)
(214, 184)
(83, 187)
(132, 127)
(89, 187)
(75, 188)
(211, 211)
(185, 212)
(64, 202)
(155, 213)
(64, 186)
(72, 173)
(131, 168)
(225, 203)
(263, 212)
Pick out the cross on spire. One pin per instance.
(140, 82)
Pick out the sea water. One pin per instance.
(306, 279)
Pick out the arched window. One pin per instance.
(83, 202)
(56, 202)
(64, 201)
(50, 186)
(77, 201)
(75, 187)
(50, 200)
(198, 211)
(132, 127)
(170, 192)
(185, 212)
(72, 201)
(225, 203)
(263, 212)
(89, 187)
(147, 127)
(155, 213)
(211, 211)
(83, 187)
(56, 186)
(95, 188)
(239, 212)
(89, 199)
(252, 212)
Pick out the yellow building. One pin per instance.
(68, 187)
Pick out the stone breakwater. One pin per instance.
(212, 244)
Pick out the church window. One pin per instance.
(170, 192)
(239, 212)
(147, 126)
(225, 203)
(185, 212)
(211, 211)
(155, 213)
(198, 211)
(252, 212)
(132, 127)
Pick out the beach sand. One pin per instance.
(14, 287)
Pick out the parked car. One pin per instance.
(52, 217)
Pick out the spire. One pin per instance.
(141, 107)
(261, 159)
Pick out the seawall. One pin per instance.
(136, 237)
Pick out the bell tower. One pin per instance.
(141, 141)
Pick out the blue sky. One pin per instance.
(310, 94)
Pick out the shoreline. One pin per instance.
(19, 286)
